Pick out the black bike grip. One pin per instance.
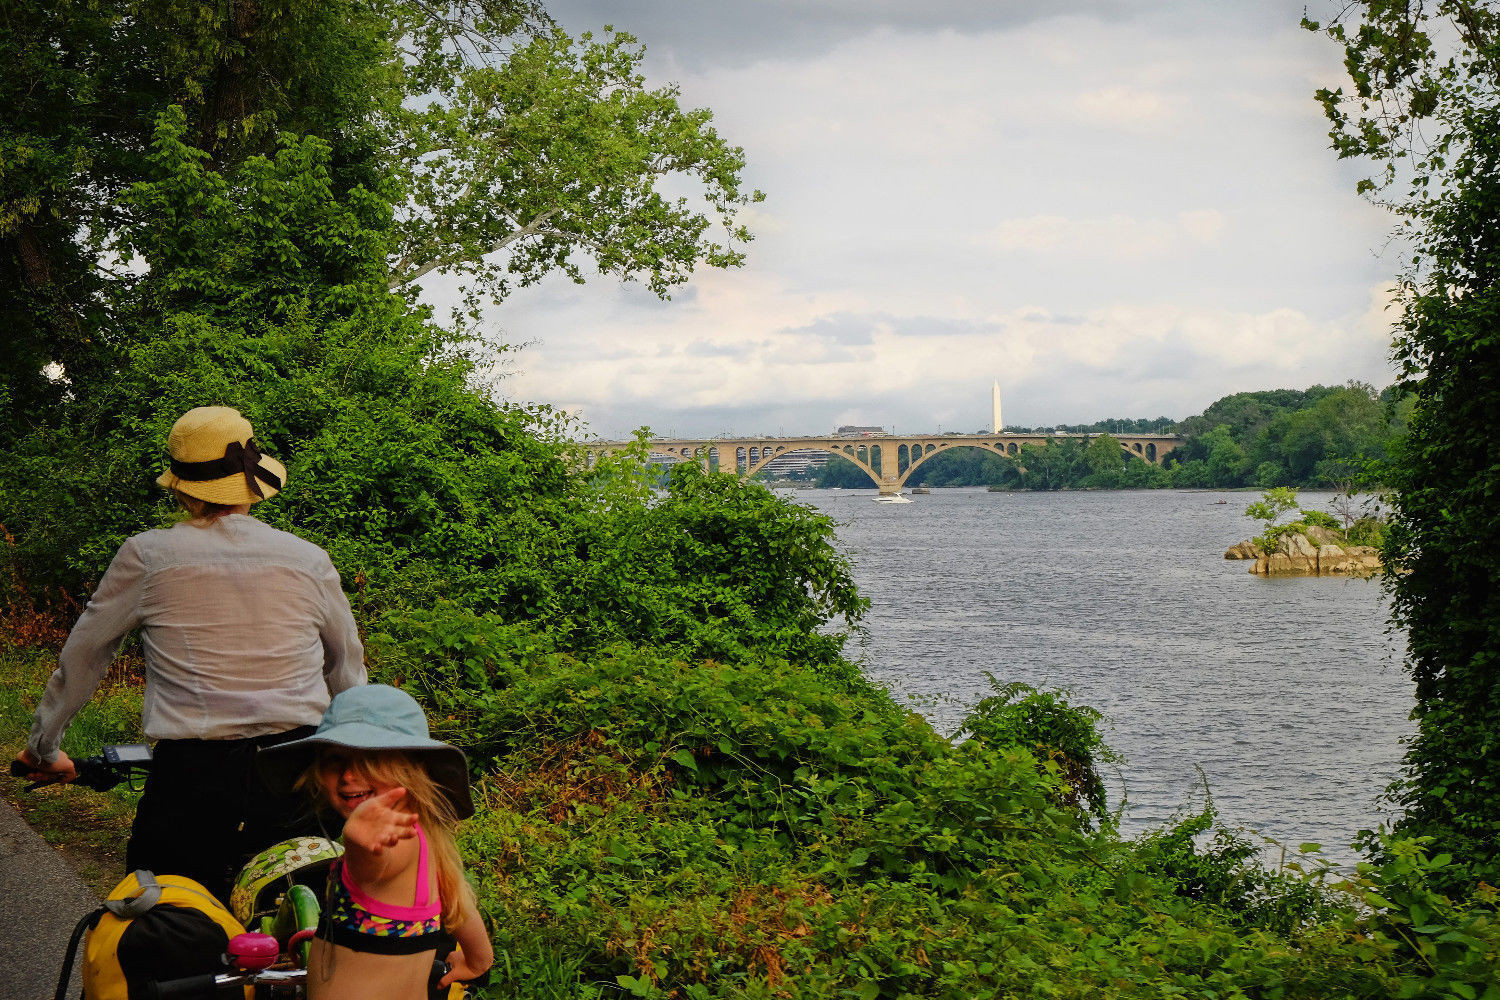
(203, 987)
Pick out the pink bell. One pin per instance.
(253, 952)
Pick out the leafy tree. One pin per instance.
(1226, 460)
(1053, 466)
(271, 295)
(83, 88)
(557, 152)
(1192, 474)
(506, 150)
(1423, 105)
(1272, 504)
(844, 474)
(1270, 474)
(964, 467)
(1338, 434)
(1144, 475)
(1247, 414)
(1103, 456)
(1117, 425)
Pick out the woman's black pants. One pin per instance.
(205, 810)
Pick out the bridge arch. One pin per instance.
(943, 448)
(701, 454)
(847, 452)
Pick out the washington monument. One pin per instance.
(995, 402)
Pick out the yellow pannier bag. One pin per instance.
(152, 928)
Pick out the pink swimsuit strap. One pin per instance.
(420, 909)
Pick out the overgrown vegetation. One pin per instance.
(687, 790)
(1422, 107)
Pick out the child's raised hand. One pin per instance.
(377, 824)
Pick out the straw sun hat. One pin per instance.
(215, 458)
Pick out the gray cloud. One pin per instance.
(695, 34)
(705, 349)
(840, 328)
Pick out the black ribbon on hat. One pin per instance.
(238, 458)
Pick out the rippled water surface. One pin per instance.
(1288, 694)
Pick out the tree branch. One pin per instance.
(405, 271)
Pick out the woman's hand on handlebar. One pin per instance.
(61, 769)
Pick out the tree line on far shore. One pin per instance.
(1319, 436)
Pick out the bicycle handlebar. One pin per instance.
(272, 981)
(101, 773)
(226, 984)
(192, 988)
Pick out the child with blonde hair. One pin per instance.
(399, 891)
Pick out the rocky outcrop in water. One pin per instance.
(1317, 551)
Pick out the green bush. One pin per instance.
(1367, 530)
(1064, 737)
(1219, 867)
(656, 827)
(1318, 518)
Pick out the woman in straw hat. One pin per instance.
(247, 635)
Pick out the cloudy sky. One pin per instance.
(1112, 207)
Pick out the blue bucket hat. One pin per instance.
(373, 717)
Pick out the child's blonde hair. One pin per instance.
(423, 797)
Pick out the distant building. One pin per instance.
(796, 463)
(855, 431)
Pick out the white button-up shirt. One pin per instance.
(245, 629)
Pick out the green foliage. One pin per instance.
(1103, 457)
(1064, 737)
(656, 826)
(1368, 530)
(1422, 109)
(501, 148)
(970, 466)
(1437, 945)
(1222, 868)
(1313, 437)
(1054, 466)
(556, 155)
(844, 474)
(1112, 425)
(1319, 519)
(1270, 474)
(1281, 500)
(1272, 504)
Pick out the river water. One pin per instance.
(1288, 694)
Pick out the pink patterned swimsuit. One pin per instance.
(361, 923)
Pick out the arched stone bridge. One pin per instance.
(889, 461)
